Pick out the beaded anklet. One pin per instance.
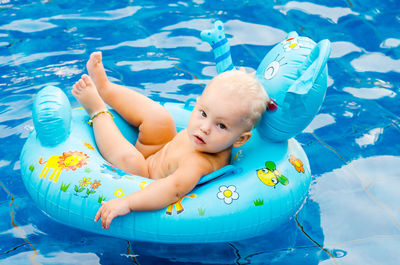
(90, 122)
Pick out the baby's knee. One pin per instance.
(158, 129)
(165, 120)
(164, 125)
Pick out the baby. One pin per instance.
(222, 118)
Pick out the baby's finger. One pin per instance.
(109, 219)
(101, 212)
(104, 217)
(98, 214)
(103, 221)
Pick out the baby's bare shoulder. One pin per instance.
(209, 162)
(196, 164)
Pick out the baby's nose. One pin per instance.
(205, 128)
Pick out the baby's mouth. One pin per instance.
(198, 140)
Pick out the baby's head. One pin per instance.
(244, 90)
(227, 110)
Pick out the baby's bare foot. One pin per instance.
(97, 72)
(86, 93)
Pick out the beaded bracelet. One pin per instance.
(90, 122)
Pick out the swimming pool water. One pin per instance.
(352, 213)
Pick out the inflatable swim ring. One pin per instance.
(263, 187)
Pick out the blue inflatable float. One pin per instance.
(263, 187)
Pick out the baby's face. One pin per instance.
(217, 121)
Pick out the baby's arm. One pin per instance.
(159, 193)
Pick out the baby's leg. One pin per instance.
(111, 143)
(156, 125)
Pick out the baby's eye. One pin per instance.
(221, 126)
(203, 113)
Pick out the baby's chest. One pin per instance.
(176, 154)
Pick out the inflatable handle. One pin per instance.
(51, 116)
(220, 45)
(189, 104)
(226, 170)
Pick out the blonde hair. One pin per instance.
(250, 91)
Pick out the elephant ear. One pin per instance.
(312, 68)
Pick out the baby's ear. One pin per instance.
(242, 139)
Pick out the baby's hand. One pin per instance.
(109, 210)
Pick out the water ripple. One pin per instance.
(105, 15)
(342, 48)
(28, 25)
(21, 58)
(390, 43)
(370, 93)
(376, 62)
(162, 40)
(147, 65)
(321, 120)
(331, 13)
(241, 32)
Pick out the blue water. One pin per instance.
(352, 213)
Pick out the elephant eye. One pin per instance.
(271, 70)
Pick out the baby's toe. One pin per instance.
(82, 83)
(76, 86)
(75, 90)
(96, 56)
(93, 57)
(87, 80)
